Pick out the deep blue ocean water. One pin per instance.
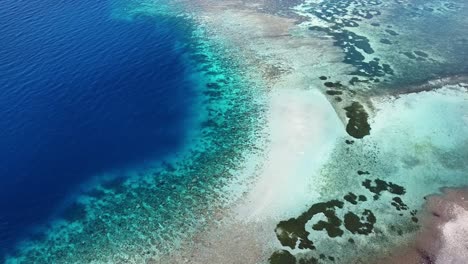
(82, 93)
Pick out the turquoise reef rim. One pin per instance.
(150, 210)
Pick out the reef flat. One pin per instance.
(397, 115)
(327, 124)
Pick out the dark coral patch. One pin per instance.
(429, 9)
(360, 172)
(358, 126)
(323, 78)
(391, 32)
(385, 41)
(409, 55)
(352, 44)
(381, 186)
(399, 204)
(351, 198)
(333, 84)
(387, 69)
(308, 260)
(421, 53)
(360, 225)
(332, 225)
(282, 257)
(291, 231)
(334, 92)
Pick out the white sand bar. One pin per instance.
(303, 129)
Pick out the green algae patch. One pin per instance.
(291, 231)
(358, 125)
(282, 257)
(360, 225)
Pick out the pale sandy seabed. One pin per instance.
(416, 136)
(418, 144)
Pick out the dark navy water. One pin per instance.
(82, 93)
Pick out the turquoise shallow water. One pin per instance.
(407, 128)
(373, 190)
